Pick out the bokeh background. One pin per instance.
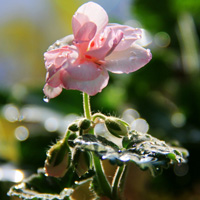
(166, 92)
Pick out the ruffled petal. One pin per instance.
(53, 76)
(130, 35)
(85, 71)
(65, 41)
(78, 20)
(128, 60)
(51, 92)
(86, 32)
(91, 87)
(104, 43)
(89, 12)
(56, 57)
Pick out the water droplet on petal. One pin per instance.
(131, 59)
(46, 99)
(58, 43)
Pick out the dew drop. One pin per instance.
(142, 152)
(58, 43)
(46, 99)
(132, 58)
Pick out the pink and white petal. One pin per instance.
(91, 87)
(53, 78)
(77, 21)
(118, 37)
(134, 33)
(130, 35)
(65, 41)
(56, 57)
(86, 32)
(49, 58)
(85, 71)
(129, 60)
(51, 92)
(110, 40)
(90, 12)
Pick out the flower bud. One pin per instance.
(73, 127)
(84, 124)
(71, 139)
(116, 126)
(58, 159)
(81, 162)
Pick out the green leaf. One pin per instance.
(141, 148)
(97, 144)
(125, 142)
(42, 187)
(27, 194)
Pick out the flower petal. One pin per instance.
(89, 12)
(51, 92)
(85, 71)
(91, 87)
(130, 35)
(128, 60)
(86, 32)
(104, 43)
(53, 76)
(56, 57)
(67, 40)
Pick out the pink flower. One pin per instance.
(81, 61)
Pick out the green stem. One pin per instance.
(86, 106)
(116, 182)
(100, 174)
(98, 115)
(101, 178)
(123, 181)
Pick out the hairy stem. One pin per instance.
(123, 181)
(101, 177)
(86, 106)
(100, 174)
(116, 182)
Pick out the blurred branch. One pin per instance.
(189, 43)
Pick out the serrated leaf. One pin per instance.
(27, 194)
(144, 150)
(42, 187)
(97, 144)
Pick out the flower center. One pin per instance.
(94, 60)
(92, 44)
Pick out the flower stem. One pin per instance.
(123, 181)
(116, 182)
(100, 174)
(86, 106)
(101, 178)
(98, 115)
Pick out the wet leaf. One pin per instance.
(141, 148)
(42, 187)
